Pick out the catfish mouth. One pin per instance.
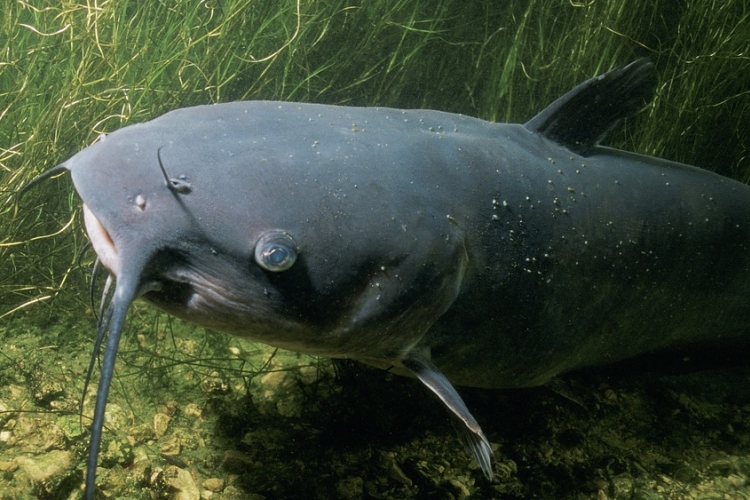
(102, 242)
(188, 288)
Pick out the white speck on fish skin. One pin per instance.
(140, 202)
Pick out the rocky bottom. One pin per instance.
(196, 415)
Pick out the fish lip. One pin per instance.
(101, 240)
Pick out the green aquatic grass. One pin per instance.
(69, 72)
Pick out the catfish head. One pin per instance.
(278, 223)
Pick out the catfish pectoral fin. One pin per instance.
(468, 429)
(475, 443)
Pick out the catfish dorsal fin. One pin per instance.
(581, 118)
(468, 429)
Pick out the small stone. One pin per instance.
(214, 484)
(309, 374)
(350, 488)
(215, 384)
(171, 448)
(161, 424)
(737, 482)
(45, 386)
(140, 433)
(171, 407)
(623, 486)
(459, 489)
(289, 407)
(10, 466)
(236, 462)
(115, 417)
(234, 493)
(117, 451)
(140, 471)
(395, 472)
(37, 435)
(279, 378)
(42, 468)
(192, 410)
(180, 484)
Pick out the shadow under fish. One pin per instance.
(455, 250)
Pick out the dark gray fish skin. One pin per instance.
(450, 248)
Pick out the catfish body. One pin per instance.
(508, 257)
(446, 247)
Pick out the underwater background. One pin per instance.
(195, 414)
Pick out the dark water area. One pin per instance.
(194, 414)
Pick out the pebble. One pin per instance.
(459, 489)
(8, 466)
(171, 448)
(42, 468)
(161, 424)
(192, 410)
(395, 472)
(236, 462)
(36, 435)
(215, 384)
(350, 488)
(214, 484)
(181, 483)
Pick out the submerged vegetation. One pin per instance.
(70, 71)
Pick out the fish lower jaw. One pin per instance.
(101, 241)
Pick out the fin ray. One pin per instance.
(469, 431)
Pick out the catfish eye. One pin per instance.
(275, 251)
